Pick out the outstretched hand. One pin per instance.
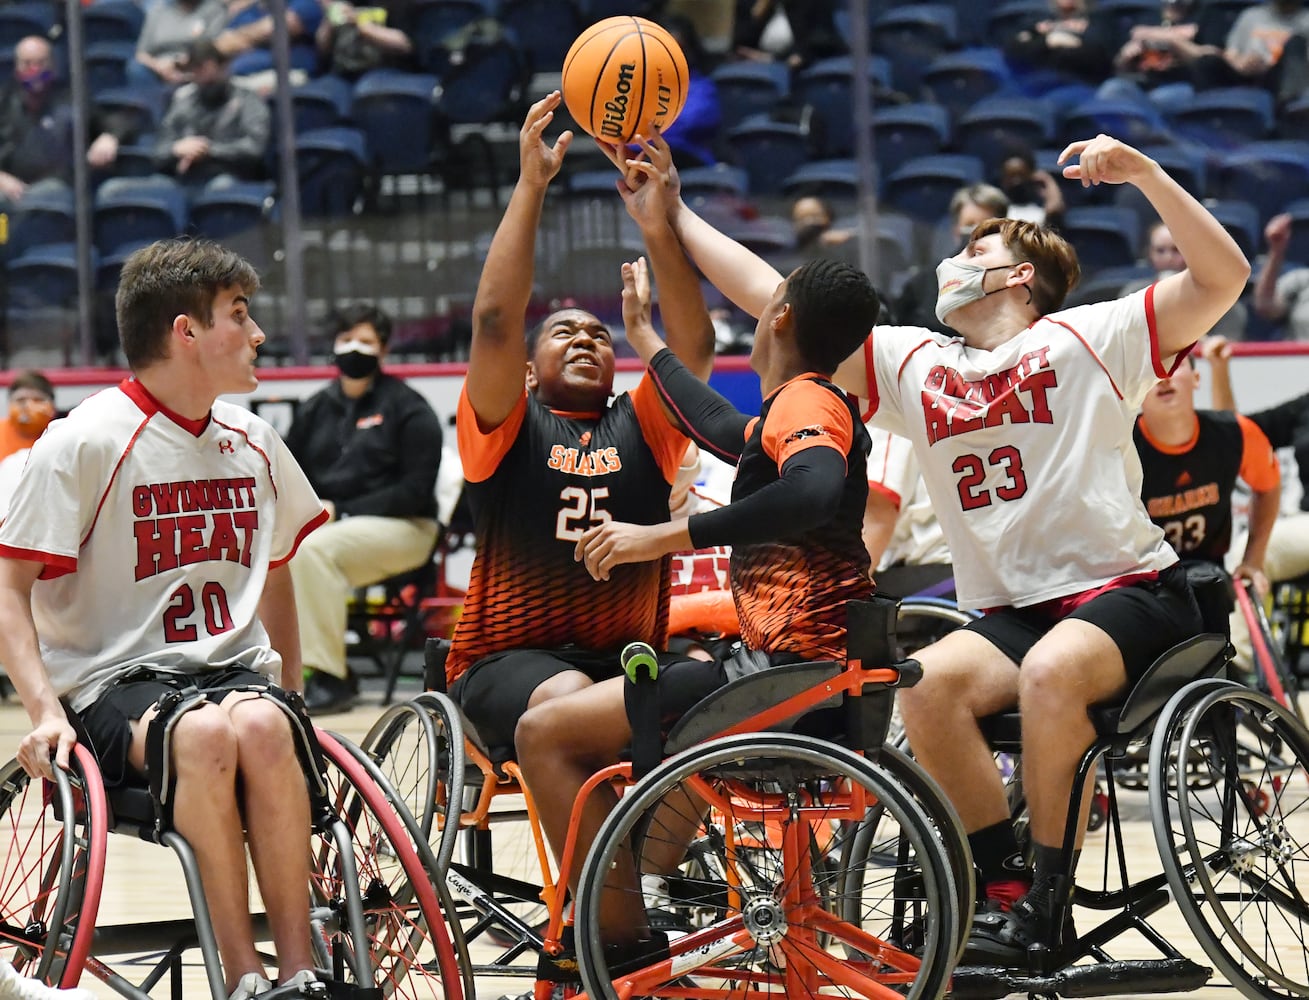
(616, 543)
(1104, 160)
(650, 185)
(539, 161)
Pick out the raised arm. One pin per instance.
(1266, 301)
(497, 359)
(1218, 352)
(743, 276)
(1189, 303)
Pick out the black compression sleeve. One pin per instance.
(806, 496)
(708, 418)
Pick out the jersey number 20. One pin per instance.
(181, 606)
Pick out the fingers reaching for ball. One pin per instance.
(539, 160)
(1104, 160)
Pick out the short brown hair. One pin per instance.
(165, 279)
(35, 380)
(1053, 257)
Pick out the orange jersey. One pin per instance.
(791, 594)
(535, 484)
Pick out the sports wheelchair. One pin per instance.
(377, 921)
(759, 826)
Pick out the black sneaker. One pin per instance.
(325, 693)
(1002, 936)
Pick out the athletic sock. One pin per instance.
(1000, 862)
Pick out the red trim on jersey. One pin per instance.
(1059, 608)
(870, 376)
(141, 396)
(1150, 323)
(127, 450)
(262, 454)
(1170, 449)
(321, 519)
(52, 565)
(903, 364)
(1089, 350)
(887, 492)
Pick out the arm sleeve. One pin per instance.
(419, 447)
(710, 420)
(1279, 422)
(1259, 466)
(807, 495)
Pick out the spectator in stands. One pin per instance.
(916, 304)
(248, 38)
(1266, 47)
(169, 29)
(1034, 195)
(36, 127)
(1165, 52)
(31, 408)
(1067, 41)
(1162, 255)
(355, 39)
(1282, 298)
(692, 136)
(815, 236)
(795, 31)
(371, 447)
(214, 133)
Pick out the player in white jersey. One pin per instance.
(146, 546)
(903, 536)
(1023, 432)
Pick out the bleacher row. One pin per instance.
(959, 107)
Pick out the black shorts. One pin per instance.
(106, 724)
(1144, 620)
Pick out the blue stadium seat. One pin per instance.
(1104, 235)
(768, 151)
(1225, 118)
(922, 188)
(1107, 283)
(1185, 164)
(1297, 249)
(332, 164)
(957, 80)
(1006, 18)
(135, 210)
(43, 278)
(106, 64)
(992, 126)
(139, 106)
(18, 20)
(1293, 120)
(911, 36)
(1133, 122)
(827, 87)
(43, 218)
(749, 88)
(836, 181)
(135, 159)
(395, 111)
(907, 131)
(765, 234)
(1269, 175)
(545, 29)
(721, 178)
(238, 217)
(113, 21)
(434, 21)
(1241, 219)
(322, 102)
(484, 86)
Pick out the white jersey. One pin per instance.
(916, 539)
(157, 534)
(1027, 449)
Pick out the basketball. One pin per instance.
(622, 76)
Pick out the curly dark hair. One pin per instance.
(835, 305)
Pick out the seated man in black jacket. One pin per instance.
(371, 447)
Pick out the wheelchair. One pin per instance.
(1228, 798)
(758, 823)
(377, 921)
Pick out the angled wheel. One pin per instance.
(53, 868)
(419, 748)
(762, 882)
(877, 839)
(1229, 799)
(406, 951)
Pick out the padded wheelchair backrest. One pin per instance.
(1199, 657)
(870, 631)
(747, 696)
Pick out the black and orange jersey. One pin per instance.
(1187, 489)
(535, 484)
(791, 594)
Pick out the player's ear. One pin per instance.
(183, 326)
(532, 380)
(1023, 272)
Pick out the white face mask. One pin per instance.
(959, 283)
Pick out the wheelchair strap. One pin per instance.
(186, 698)
(642, 669)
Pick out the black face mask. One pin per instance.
(214, 95)
(356, 364)
(1023, 194)
(809, 233)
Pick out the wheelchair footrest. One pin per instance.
(1156, 975)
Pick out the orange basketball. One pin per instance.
(622, 76)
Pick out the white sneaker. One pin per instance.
(250, 985)
(299, 983)
(17, 987)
